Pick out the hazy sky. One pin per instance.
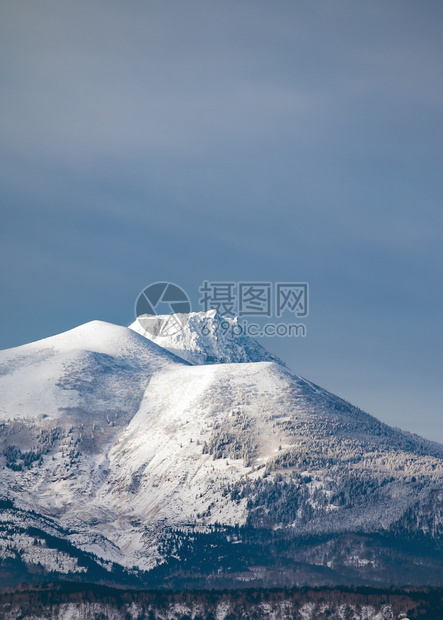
(153, 140)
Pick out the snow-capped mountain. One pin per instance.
(204, 338)
(199, 458)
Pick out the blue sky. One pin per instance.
(233, 140)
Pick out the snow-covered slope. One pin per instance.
(205, 338)
(94, 369)
(121, 444)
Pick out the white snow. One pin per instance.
(142, 434)
(205, 338)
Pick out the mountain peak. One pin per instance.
(203, 338)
